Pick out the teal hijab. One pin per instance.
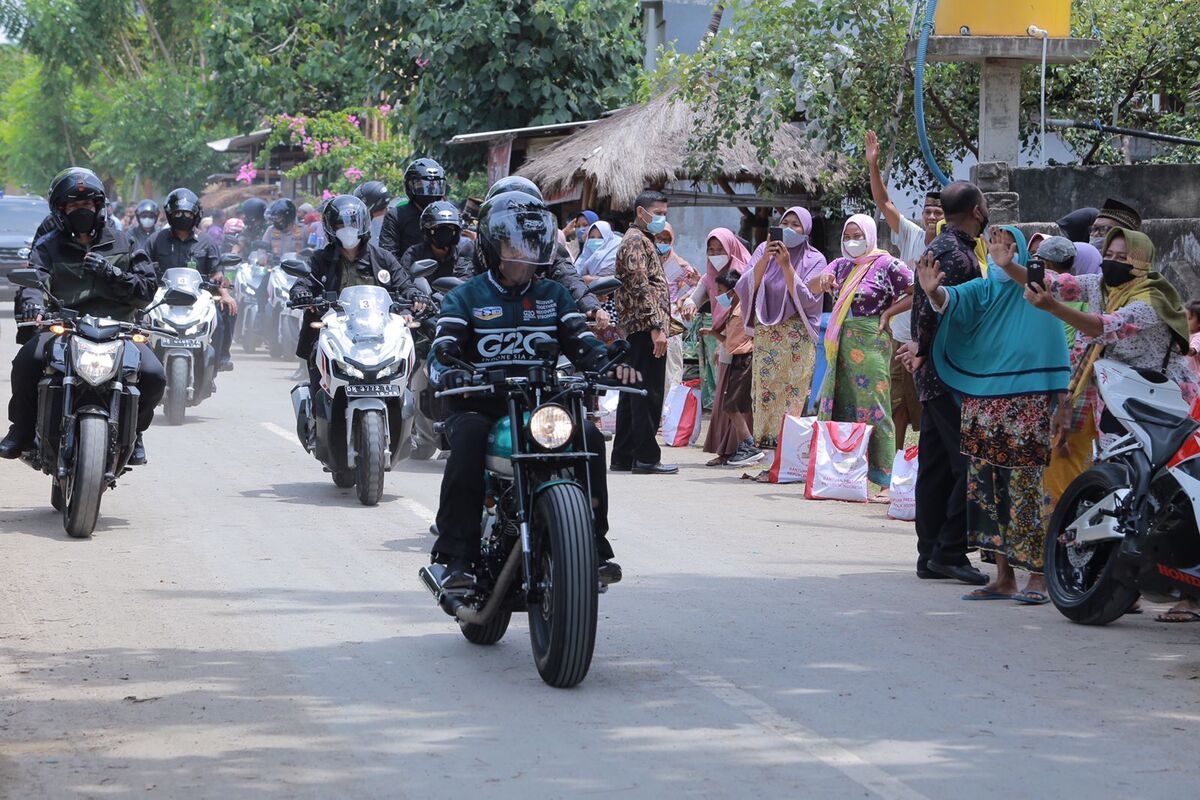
(992, 343)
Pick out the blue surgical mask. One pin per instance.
(592, 245)
(997, 273)
(656, 224)
(793, 238)
(724, 300)
(662, 249)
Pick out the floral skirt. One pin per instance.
(784, 358)
(859, 389)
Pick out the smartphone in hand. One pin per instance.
(1036, 273)
(775, 233)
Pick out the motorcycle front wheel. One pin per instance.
(86, 482)
(562, 627)
(370, 442)
(1081, 581)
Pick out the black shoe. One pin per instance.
(926, 574)
(13, 445)
(138, 457)
(226, 365)
(654, 469)
(610, 572)
(458, 575)
(960, 572)
(615, 467)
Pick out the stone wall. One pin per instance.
(1158, 191)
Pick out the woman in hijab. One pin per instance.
(871, 286)
(599, 260)
(576, 231)
(783, 317)
(681, 281)
(1009, 361)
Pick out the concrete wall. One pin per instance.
(1158, 191)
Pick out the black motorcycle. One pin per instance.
(87, 404)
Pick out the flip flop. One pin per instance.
(1191, 616)
(987, 594)
(1031, 598)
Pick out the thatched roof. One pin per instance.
(647, 145)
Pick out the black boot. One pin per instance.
(138, 457)
(14, 444)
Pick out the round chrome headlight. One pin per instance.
(551, 426)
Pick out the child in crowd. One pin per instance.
(737, 350)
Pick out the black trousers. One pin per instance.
(638, 418)
(30, 363)
(224, 333)
(941, 485)
(461, 507)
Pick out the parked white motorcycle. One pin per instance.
(189, 357)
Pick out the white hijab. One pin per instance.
(601, 262)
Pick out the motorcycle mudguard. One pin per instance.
(301, 400)
(400, 426)
(354, 408)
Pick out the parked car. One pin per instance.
(19, 218)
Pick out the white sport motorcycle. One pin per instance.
(284, 320)
(250, 290)
(189, 357)
(1129, 524)
(359, 424)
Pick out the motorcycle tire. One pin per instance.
(175, 398)
(1087, 593)
(275, 348)
(248, 344)
(86, 484)
(343, 478)
(56, 496)
(487, 634)
(562, 628)
(370, 441)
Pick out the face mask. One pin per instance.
(592, 245)
(581, 235)
(1116, 272)
(724, 300)
(662, 249)
(656, 224)
(793, 238)
(348, 237)
(855, 247)
(146, 222)
(181, 223)
(997, 273)
(718, 262)
(1097, 243)
(81, 220)
(984, 229)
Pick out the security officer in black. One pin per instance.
(145, 223)
(85, 262)
(443, 242)
(424, 183)
(177, 245)
(254, 214)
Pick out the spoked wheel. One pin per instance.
(176, 394)
(562, 628)
(370, 440)
(86, 482)
(1080, 579)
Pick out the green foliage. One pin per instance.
(41, 122)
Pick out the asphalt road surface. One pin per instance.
(240, 628)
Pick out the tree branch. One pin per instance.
(150, 26)
(1134, 86)
(963, 136)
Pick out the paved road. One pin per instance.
(239, 627)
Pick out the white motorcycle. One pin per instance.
(250, 290)
(284, 320)
(359, 424)
(189, 357)
(1130, 524)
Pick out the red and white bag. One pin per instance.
(681, 415)
(837, 463)
(791, 453)
(607, 412)
(903, 491)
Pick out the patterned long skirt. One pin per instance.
(784, 358)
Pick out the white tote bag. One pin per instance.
(903, 490)
(607, 421)
(681, 415)
(791, 454)
(837, 463)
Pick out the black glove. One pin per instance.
(455, 378)
(29, 310)
(94, 262)
(301, 296)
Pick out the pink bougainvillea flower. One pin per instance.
(326, 194)
(385, 109)
(422, 63)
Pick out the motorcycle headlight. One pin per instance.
(353, 372)
(393, 370)
(194, 329)
(551, 426)
(95, 362)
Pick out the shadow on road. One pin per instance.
(47, 523)
(311, 494)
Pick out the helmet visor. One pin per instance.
(523, 236)
(426, 187)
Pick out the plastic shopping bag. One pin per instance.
(791, 454)
(607, 413)
(903, 490)
(837, 462)
(681, 415)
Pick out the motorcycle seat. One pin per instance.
(1167, 431)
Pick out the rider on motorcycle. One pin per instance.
(494, 320)
(377, 197)
(177, 245)
(424, 183)
(146, 217)
(86, 265)
(254, 212)
(441, 229)
(285, 234)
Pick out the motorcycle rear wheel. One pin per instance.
(1087, 590)
(370, 440)
(343, 478)
(562, 628)
(82, 505)
(487, 634)
(176, 395)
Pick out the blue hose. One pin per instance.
(919, 94)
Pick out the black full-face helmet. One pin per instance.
(424, 182)
(346, 212)
(182, 209)
(517, 236)
(514, 183)
(254, 210)
(71, 185)
(281, 214)
(441, 224)
(375, 194)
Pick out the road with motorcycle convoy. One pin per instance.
(240, 627)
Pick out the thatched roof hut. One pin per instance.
(647, 145)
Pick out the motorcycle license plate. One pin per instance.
(188, 343)
(373, 390)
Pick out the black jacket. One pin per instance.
(374, 265)
(166, 251)
(563, 271)
(456, 264)
(138, 236)
(59, 257)
(401, 229)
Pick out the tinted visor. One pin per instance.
(426, 187)
(523, 236)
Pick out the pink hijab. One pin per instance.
(774, 302)
(739, 262)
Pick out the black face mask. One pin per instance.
(182, 222)
(1116, 272)
(81, 220)
(445, 238)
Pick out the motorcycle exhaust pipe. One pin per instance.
(455, 605)
(432, 576)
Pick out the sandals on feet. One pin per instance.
(1031, 597)
(1182, 615)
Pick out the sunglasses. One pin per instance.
(1100, 230)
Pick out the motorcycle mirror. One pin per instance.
(295, 267)
(604, 286)
(230, 260)
(26, 278)
(445, 285)
(423, 267)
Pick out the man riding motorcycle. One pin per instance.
(146, 218)
(443, 242)
(177, 245)
(424, 183)
(284, 235)
(507, 305)
(86, 265)
(377, 197)
(254, 211)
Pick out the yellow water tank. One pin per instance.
(1002, 17)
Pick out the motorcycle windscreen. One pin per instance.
(366, 311)
(183, 279)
